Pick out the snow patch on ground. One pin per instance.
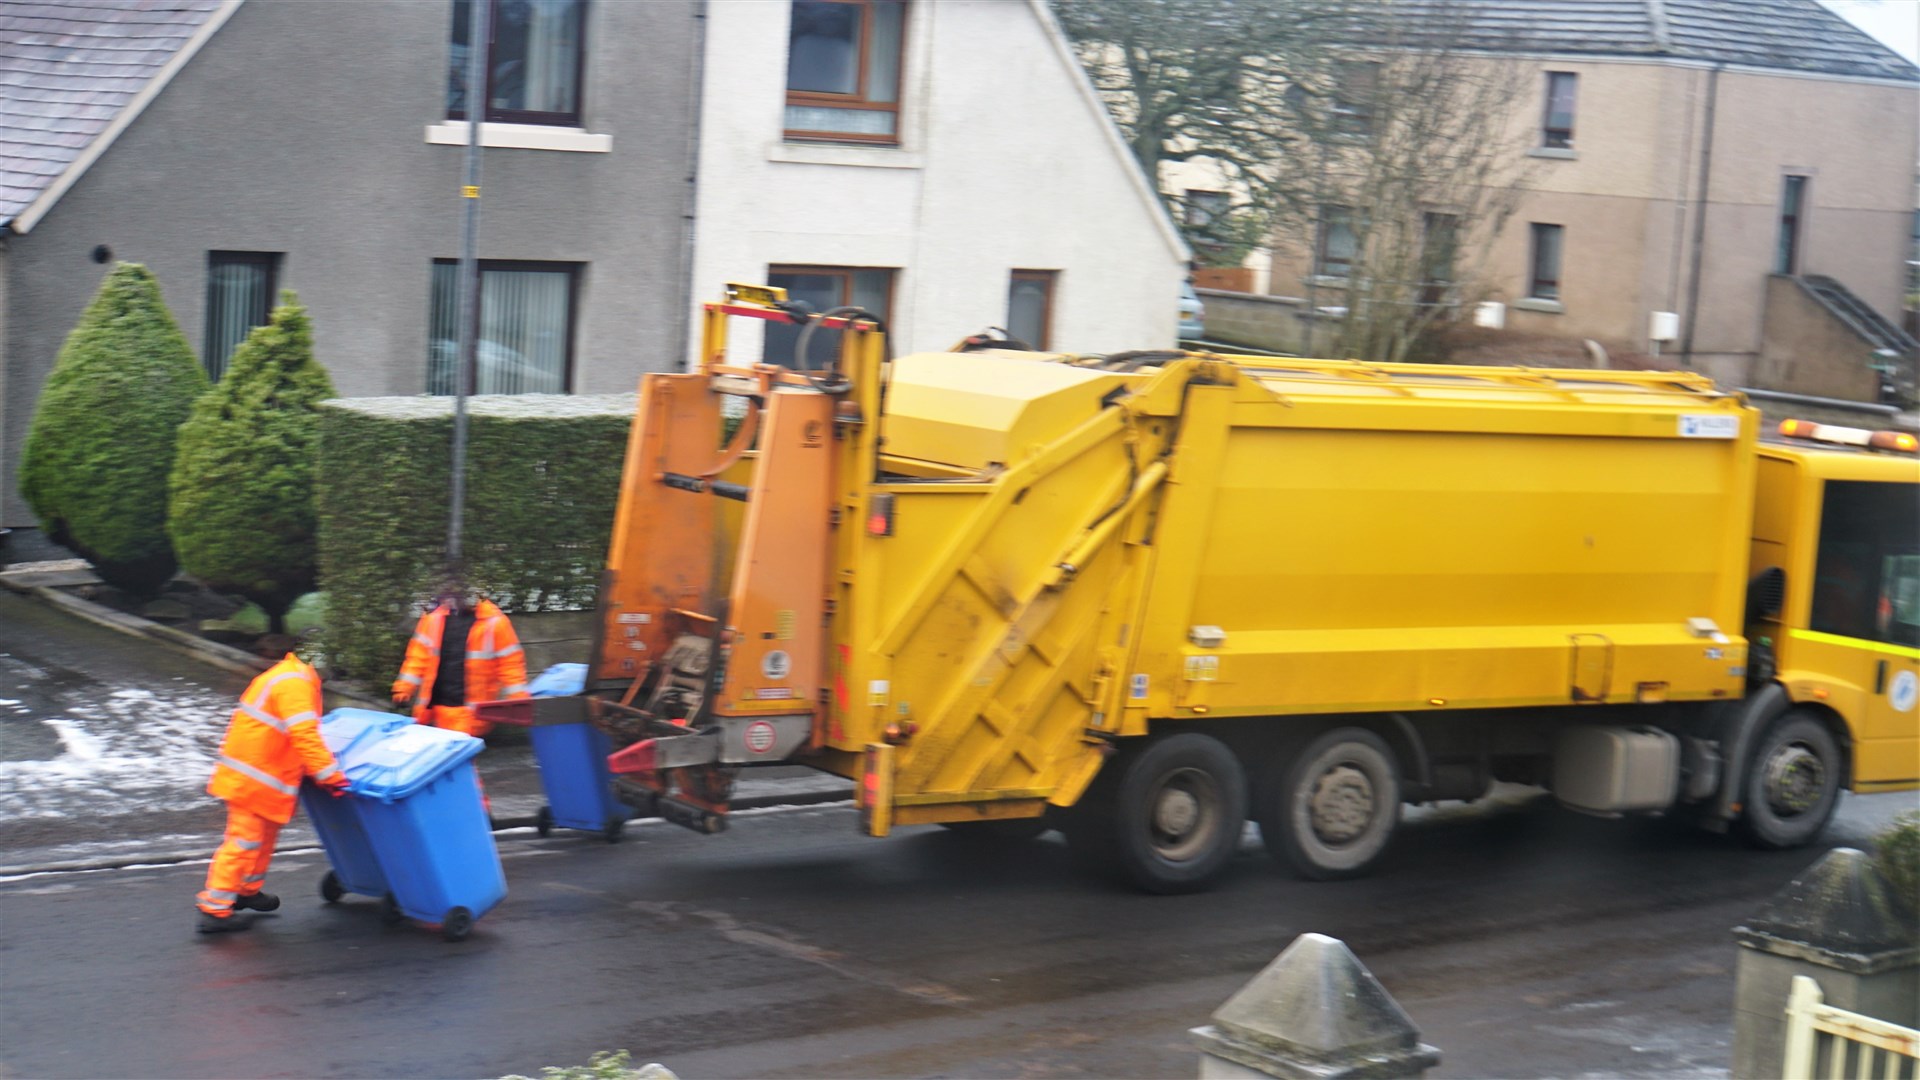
(129, 752)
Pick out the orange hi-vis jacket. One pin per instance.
(274, 738)
(496, 665)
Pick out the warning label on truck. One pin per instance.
(1709, 426)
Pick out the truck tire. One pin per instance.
(1169, 819)
(1334, 807)
(1791, 785)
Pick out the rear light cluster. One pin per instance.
(1896, 441)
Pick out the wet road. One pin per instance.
(1526, 941)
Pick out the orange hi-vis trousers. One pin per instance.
(240, 865)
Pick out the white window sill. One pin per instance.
(521, 137)
(1559, 153)
(1323, 281)
(870, 157)
(1545, 307)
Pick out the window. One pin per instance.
(1556, 127)
(824, 287)
(526, 328)
(1544, 280)
(239, 297)
(1355, 84)
(1866, 579)
(1030, 306)
(1202, 207)
(1793, 197)
(1439, 248)
(843, 70)
(534, 60)
(1337, 244)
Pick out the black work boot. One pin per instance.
(215, 924)
(260, 901)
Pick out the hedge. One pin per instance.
(543, 475)
(241, 508)
(95, 465)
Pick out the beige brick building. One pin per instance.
(1748, 167)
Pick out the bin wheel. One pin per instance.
(615, 826)
(457, 924)
(330, 888)
(543, 821)
(390, 910)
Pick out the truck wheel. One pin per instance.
(1000, 831)
(1792, 783)
(1171, 819)
(1335, 806)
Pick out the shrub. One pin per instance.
(543, 475)
(1896, 854)
(101, 444)
(241, 509)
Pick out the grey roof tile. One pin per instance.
(67, 68)
(1793, 35)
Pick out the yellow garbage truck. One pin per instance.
(1145, 597)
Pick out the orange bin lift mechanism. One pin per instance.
(714, 614)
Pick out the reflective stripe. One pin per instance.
(516, 688)
(427, 643)
(260, 698)
(508, 651)
(492, 655)
(331, 770)
(301, 718)
(220, 894)
(244, 845)
(414, 679)
(264, 717)
(253, 879)
(252, 773)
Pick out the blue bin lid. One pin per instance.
(343, 729)
(560, 680)
(406, 761)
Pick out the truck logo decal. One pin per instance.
(1137, 690)
(1709, 426)
(776, 664)
(1904, 686)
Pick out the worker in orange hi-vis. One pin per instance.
(460, 653)
(272, 740)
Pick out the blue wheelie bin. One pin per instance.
(419, 801)
(572, 755)
(349, 734)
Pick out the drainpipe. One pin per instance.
(696, 75)
(1700, 216)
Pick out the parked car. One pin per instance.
(1193, 314)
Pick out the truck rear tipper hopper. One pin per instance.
(1145, 597)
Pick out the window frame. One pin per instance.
(858, 101)
(1439, 236)
(573, 271)
(1323, 231)
(270, 261)
(1553, 138)
(845, 274)
(1201, 207)
(1534, 281)
(1048, 279)
(527, 116)
(1791, 222)
(1829, 610)
(1352, 100)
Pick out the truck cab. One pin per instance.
(1834, 621)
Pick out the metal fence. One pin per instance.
(1826, 1043)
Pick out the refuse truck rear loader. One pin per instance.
(1146, 597)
